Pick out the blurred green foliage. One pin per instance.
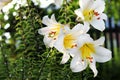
(113, 9)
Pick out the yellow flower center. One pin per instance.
(69, 41)
(87, 49)
(88, 14)
(54, 31)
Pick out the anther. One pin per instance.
(52, 34)
(54, 38)
(73, 46)
(82, 60)
(96, 13)
(98, 18)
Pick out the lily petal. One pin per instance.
(86, 23)
(99, 6)
(79, 13)
(83, 39)
(102, 54)
(48, 41)
(77, 64)
(93, 68)
(80, 29)
(46, 20)
(85, 3)
(98, 24)
(103, 16)
(73, 51)
(100, 41)
(44, 31)
(59, 44)
(66, 28)
(65, 58)
(53, 19)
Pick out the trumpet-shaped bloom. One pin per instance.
(88, 53)
(68, 40)
(51, 32)
(91, 12)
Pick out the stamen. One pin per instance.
(89, 13)
(86, 50)
(82, 60)
(73, 46)
(96, 13)
(54, 38)
(90, 18)
(90, 59)
(98, 18)
(52, 34)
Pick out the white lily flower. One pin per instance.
(91, 12)
(68, 40)
(52, 31)
(89, 52)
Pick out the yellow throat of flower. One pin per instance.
(88, 14)
(86, 50)
(69, 41)
(54, 31)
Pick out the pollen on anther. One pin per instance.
(54, 38)
(98, 18)
(91, 61)
(89, 13)
(82, 60)
(73, 46)
(96, 13)
(51, 34)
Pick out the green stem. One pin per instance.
(43, 64)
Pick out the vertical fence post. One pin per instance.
(111, 36)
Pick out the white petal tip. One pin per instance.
(73, 69)
(76, 11)
(102, 29)
(95, 74)
(63, 62)
(65, 58)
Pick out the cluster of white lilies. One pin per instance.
(76, 42)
